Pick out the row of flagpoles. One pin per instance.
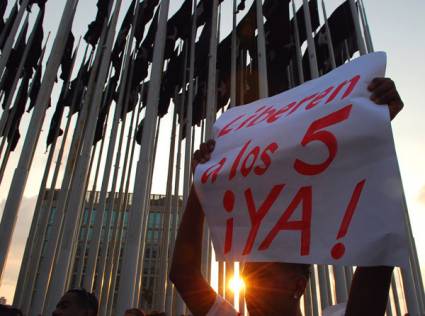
(202, 75)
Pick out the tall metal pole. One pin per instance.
(163, 271)
(110, 207)
(329, 37)
(395, 296)
(234, 58)
(39, 223)
(36, 253)
(106, 252)
(412, 279)
(76, 194)
(189, 109)
(9, 20)
(308, 301)
(34, 230)
(73, 264)
(20, 176)
(119, 219)
(410, 291)
(2, 124)
(359, 36)
(297, 45)
(124, 201)
(210, 115)
(92, 197)
(368, 37)
(136, 297)
(133, 248)
(230, 272)
(167, 240)
(179, 305)
(7, 48)
(340, 284)
(5, 124)
(212, 72)
(261, 51)
(6, 156)
(323, 285)
(95, 242)
(310, 41)
(45, 266)
(314, 296)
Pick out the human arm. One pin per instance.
(369, 291)
(186, 273)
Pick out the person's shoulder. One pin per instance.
(335, 310)
(222, 307)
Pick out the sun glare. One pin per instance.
(236, 284)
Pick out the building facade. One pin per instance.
(153, 257)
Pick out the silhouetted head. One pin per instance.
(274, 288)
(134, 312)
(77, 303)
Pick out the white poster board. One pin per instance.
(307, 176)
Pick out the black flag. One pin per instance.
(278, 30)
(149, 41)
(171, 81)
(107, 98)
(146, 12)
(139, 132)
(314, 17)
(40, 3)
(66, 61)
(241, 6)
(341, 26)
(75, 96)
(56, 118)
(8, 26)
(36, 44)
(15, 114)
(35, 87)
(95, 28)
(203, 10)
(3, 6)
(118, 50)
(178, 26)
(12, 64)
(224, 65)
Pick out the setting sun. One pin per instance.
(236, 284)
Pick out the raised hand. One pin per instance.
(384, 91)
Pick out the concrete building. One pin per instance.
(117, 231)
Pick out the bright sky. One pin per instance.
(396, 28)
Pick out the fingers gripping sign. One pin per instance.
(384, 92)
(203, 154)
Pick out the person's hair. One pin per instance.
(303, 269)
(135, 312)
(155, 313)
(6, 310)
(86, 299)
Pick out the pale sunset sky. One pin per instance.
(397, 27)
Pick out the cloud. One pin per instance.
(17, 247)
(421, 196)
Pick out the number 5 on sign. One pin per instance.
(316, 132)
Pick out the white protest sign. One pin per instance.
(307, 176)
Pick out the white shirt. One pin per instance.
(222, 307)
